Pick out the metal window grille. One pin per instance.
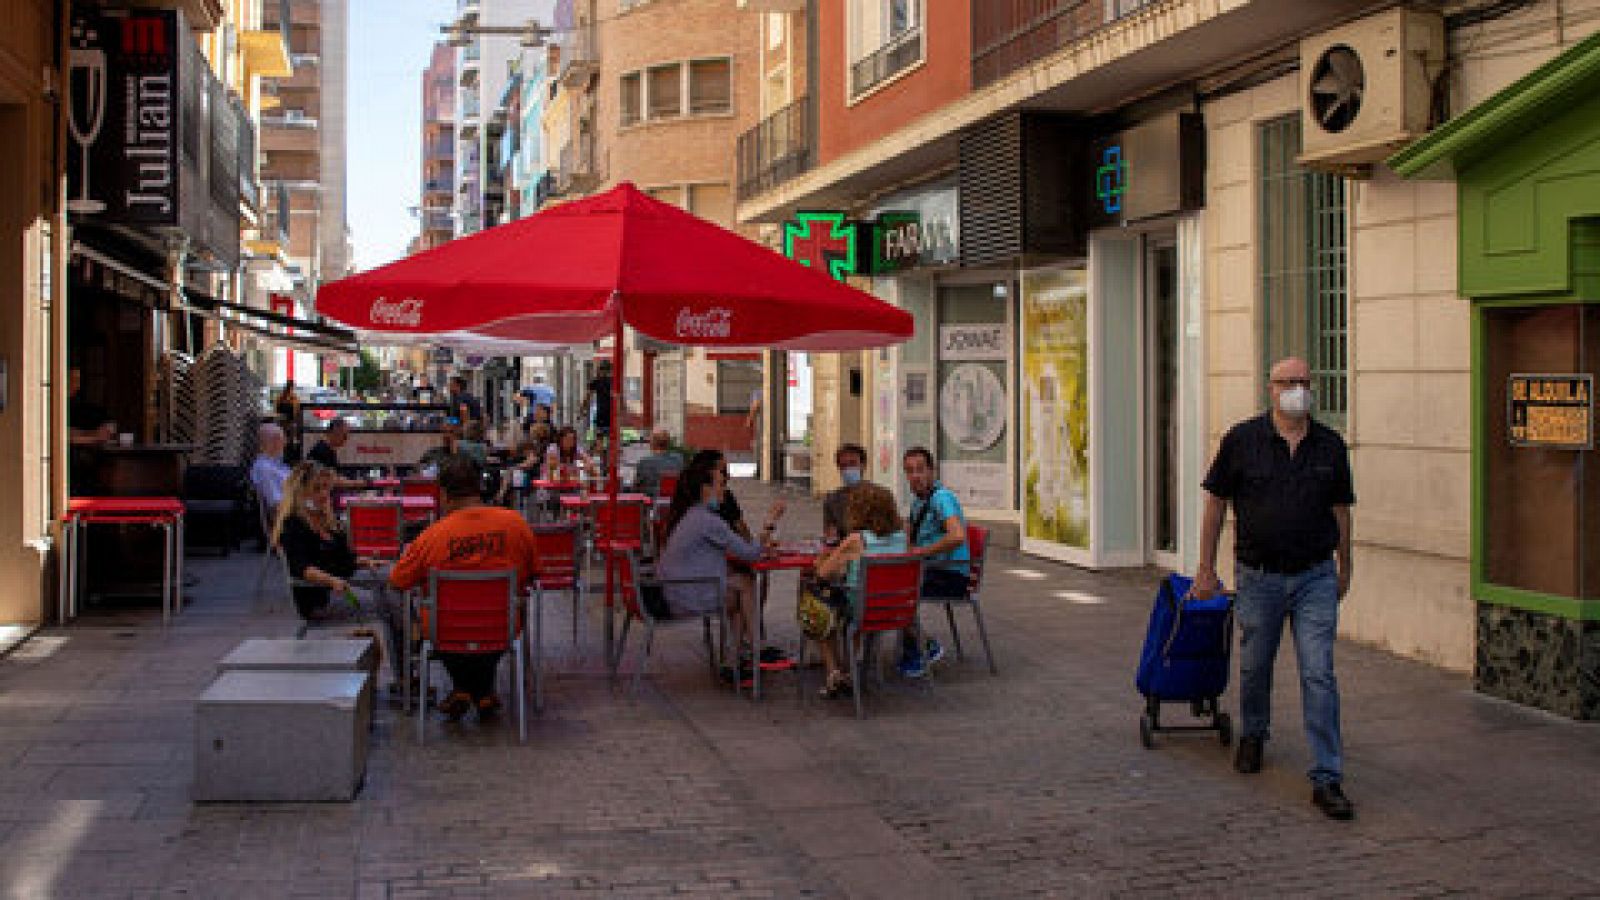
(737, 382)
(1304, 256)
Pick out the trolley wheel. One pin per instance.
(1147, 735)
(1224, 729)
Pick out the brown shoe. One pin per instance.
(456, 705)
(489, 707)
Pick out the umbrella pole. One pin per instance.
(611, 469)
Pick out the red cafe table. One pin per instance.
(165, 513)
(790, 556)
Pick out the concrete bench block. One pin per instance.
(294, 655)
(282, 737)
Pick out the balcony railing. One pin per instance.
(900, 53)
(437, 185)
(579, 169)
(776, 150)
(580, 57)
(249, 190)
(1012, 35)
(275, 219)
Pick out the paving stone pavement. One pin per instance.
(1028, 783)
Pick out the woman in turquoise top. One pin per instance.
(876, 529)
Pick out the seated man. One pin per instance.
(469, 537)
(269, 472)
(662, 461)
(852, 462)
(938, 532)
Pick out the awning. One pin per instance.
(317, 337)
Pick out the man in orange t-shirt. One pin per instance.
(470, 537)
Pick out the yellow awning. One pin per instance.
(266, 53)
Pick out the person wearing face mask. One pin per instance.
(1287, 478)
(852, 462)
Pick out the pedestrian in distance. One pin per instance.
(1287, 477)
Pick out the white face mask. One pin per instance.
(1295, 401)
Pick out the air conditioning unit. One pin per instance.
(1366, 87)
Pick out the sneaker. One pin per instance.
(933, 652)
(456, 705)
(913, 667)
(1247, 760)
(1334, 804)
(489, 707)
(838, 686)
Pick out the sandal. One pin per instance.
(838, 686)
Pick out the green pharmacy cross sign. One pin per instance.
(824, 240)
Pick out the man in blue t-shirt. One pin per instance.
(938, 532)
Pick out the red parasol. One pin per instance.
(573, 273)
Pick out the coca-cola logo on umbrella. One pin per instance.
(406, 313)
(716, 322)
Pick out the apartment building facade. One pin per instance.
(1125, 213)
(304, 145)
(438, 148)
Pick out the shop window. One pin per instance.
(1541, 479)
(630, 98)
(665, 91)
(710, 86)
(1304, 267)
(738, 384)
(670, 193)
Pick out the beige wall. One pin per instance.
(31, 349)
(1410, 357)
(697, 150)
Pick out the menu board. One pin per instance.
(1550, 411)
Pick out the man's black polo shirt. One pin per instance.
(1283, 507)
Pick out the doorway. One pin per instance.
(1162, 416)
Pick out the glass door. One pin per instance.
(1161, 425)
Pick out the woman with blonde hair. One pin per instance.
(875, 528)
(312, 540)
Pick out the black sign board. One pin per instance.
(123, 83)
(1550, 411)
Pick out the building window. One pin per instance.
(1116, 9)
(630, 98)
(885, 39)
(738, 384)
(665, 98)
(1304, 267)
(713, 202)
(710, 86)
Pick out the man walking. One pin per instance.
(1288, 479)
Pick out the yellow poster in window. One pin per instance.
(1055, 407)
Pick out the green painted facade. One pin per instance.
(1527, 168)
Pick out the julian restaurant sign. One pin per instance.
(123, 81)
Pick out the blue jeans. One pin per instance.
(1310, 601)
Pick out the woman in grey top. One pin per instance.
(698, 544)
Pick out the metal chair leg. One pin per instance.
(521, 687)
(983, 635)
(423, 655)
(955, 632)
(855, 675)
(799, 672)
(644, 654)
